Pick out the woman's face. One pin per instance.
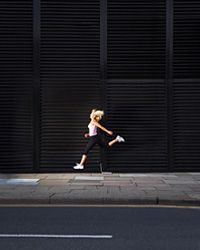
(97, 118)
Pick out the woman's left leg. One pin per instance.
(112, 142)
(103, 143)
(117, 139)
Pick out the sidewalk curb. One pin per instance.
(101, 201)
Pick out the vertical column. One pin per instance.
(103, 64)
(169, 80)
(36, 84)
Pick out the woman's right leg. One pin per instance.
(83, 159)
(91, 143)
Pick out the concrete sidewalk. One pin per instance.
(105, 188)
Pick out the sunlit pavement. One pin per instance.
(105, 188)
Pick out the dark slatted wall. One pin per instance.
(138, 59)
(16, 75)
(70, 80)
(186, 108)
(136, 97)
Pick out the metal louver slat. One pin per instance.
(136, 39)
(186, 39)
(186, 108)
(187, 125)
(70, 80)
(16, 79)
(136, 97)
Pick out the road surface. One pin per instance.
(99, 228)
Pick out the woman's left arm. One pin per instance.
(102, 127)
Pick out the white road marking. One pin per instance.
(56, 236)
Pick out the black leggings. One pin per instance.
(93, 140)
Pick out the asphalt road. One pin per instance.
(97, 228)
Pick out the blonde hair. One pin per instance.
(95, 113)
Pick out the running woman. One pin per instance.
(95, 138)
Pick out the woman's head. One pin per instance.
(96, 114)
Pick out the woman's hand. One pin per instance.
(110, 132)
(86, 135)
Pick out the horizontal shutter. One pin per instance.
(131, 76)
(186, 39)
(136, 97)
(70, 80)
(16, 79)
(136, 39)
(186, 106)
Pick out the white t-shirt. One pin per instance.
(92, 129)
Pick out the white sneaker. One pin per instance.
(120, 139)
(78, 166)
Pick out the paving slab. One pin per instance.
(102, 188)
(89, 178)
